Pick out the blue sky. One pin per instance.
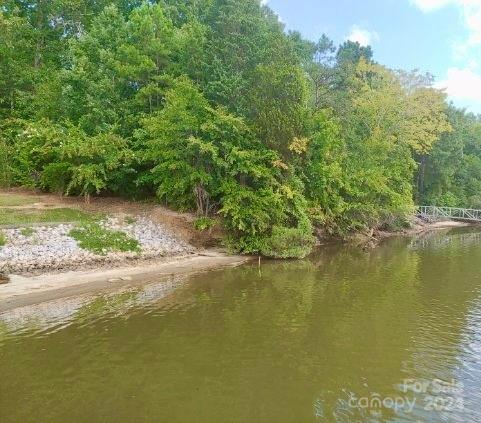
(439, 36)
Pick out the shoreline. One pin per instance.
(372, 240)
(420, 228)
(24, 291)
(35, 287)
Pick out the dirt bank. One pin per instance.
(33, 243)
(180, 223)
(418, 227)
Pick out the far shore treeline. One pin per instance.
(212, 106)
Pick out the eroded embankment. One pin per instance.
(42, 233)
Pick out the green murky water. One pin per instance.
(392, 334)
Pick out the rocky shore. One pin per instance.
(50, 248)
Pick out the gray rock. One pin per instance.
(51, 248)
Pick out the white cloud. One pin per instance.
(462, 84)
(470, 11)
(472, 16)
(362, 36)
(430, 5)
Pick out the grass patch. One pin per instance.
(17, 200)
(99, 240)
(28, 216)
(27, 231)
(3, 239)
(129, 220)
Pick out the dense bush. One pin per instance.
(6, 174)
(63, 159)
(204, 158)
(204, 223)
(289, 242)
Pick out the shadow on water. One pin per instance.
(335, 337)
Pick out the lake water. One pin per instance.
(390, 334)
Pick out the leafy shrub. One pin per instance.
(55, 177)
(289, 242)
(356, 185)
(206, 158)
(95, 238)
(204, 223)
(395, 222)
(474, 202)
(448, 199)
(32, 147)
(94, 161)
(64, 159)
(6, 175)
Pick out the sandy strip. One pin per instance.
(449, 224)
(23, 291)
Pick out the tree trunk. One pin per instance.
(421, 175)
(39, 43)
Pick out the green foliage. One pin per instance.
(204, 223)
(130, 220)
(324, 172)
(178, 147)
(17, 50)
(360, 171)
(279, 100)
(395, 222)
(99, 240)
(116, 70)
(94, 161)
(6, 173)
(27, 231)
(215, 108)
(251, 216)
(3, 239)
(65, 159)
(55, 177)
(33, 148)
(451, 174)
(289, 242)
(202, 157)
(351, 52)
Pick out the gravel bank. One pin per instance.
(51, 248)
